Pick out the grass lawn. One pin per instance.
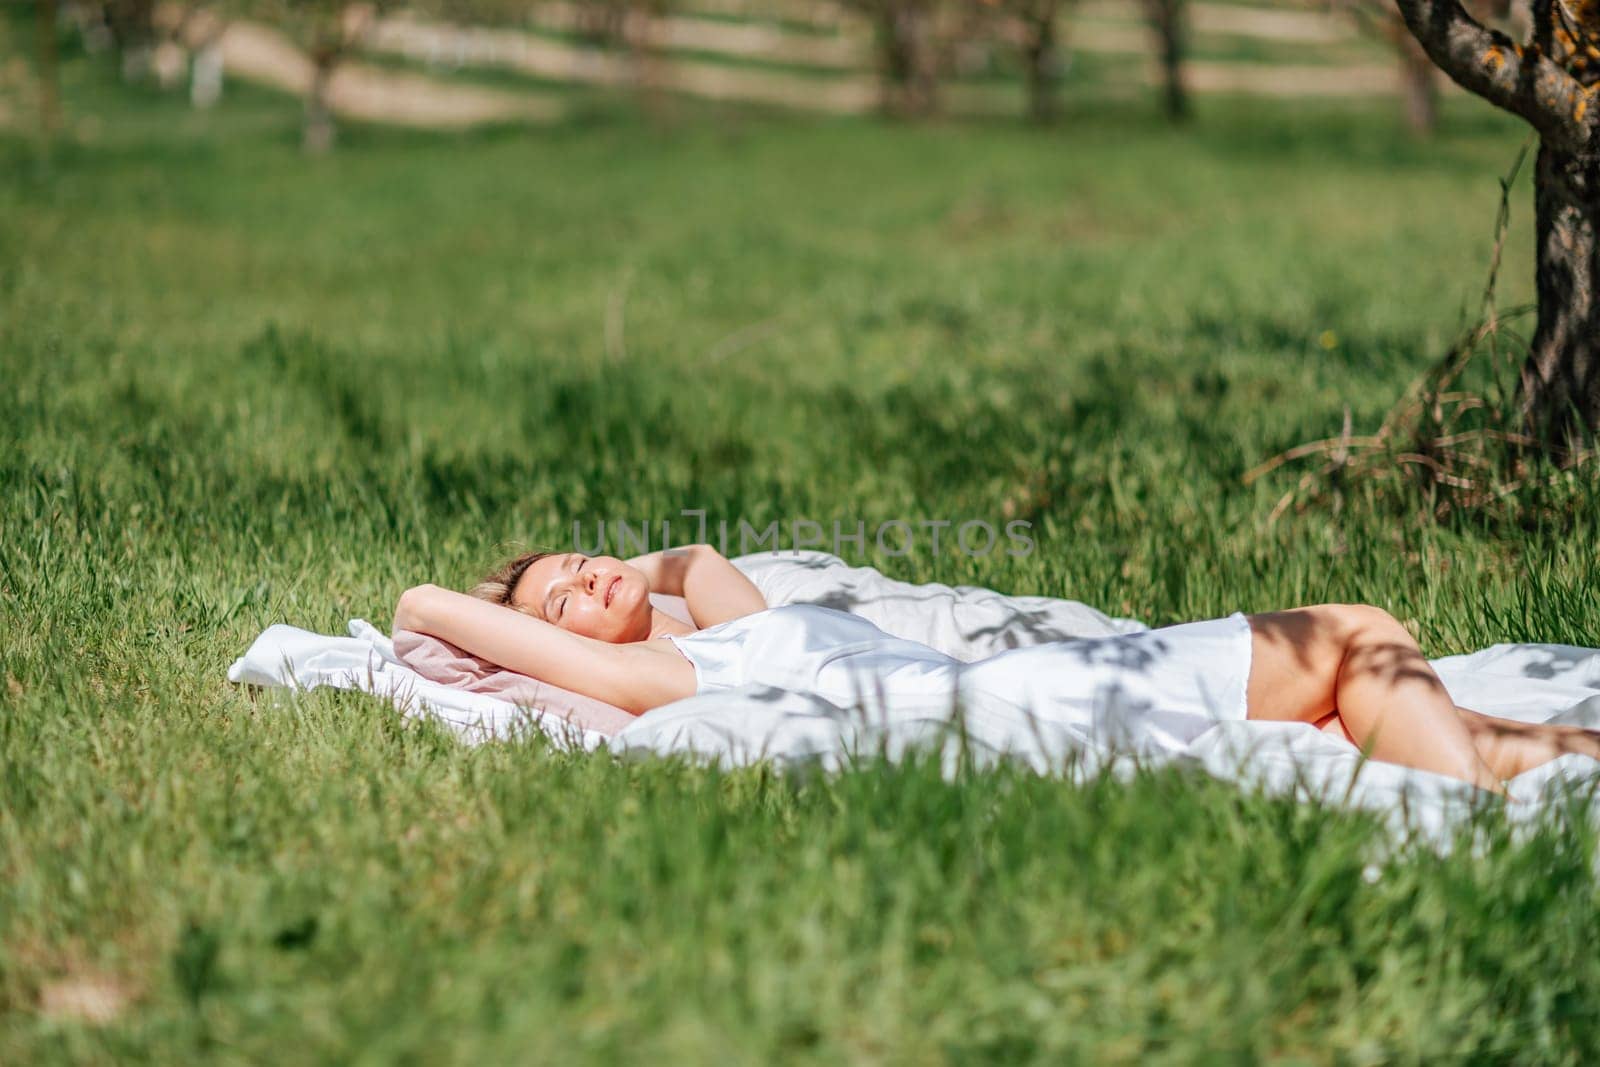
(241, 387)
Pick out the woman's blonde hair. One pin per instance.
(498, 585)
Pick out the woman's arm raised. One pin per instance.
(635, 677)
(714, 589)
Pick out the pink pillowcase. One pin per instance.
(440, 661)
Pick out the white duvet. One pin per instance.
(1534, 683)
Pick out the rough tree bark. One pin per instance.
(1560, 383)
(1042, 63)
(1169, 22)
(318, 131)
(909, 58)
(1548, 80)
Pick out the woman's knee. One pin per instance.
(1374, 644)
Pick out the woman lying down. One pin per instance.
(586, 623)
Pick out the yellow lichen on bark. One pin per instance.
(1494, 58)
(1580, 105)
(1585, 13)
(1578, 30)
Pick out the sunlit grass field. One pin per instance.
(241, 387)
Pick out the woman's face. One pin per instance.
(596, 596)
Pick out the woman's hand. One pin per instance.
(635, 677)
(714, 589)
(665, 570)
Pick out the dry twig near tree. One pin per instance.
(1478, 448)
(1465, 448)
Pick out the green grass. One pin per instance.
(242, 387)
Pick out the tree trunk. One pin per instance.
(1167, 20)
(206, 73)
(645, 62)
(1550, 81)
(1042, 70)
(925, 60)
(906, 41)
(1560, 386)
(132, 24)
(318, 133)
(603, 22)
(45, 13)
(1417, 85)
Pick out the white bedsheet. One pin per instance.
(1533, 683)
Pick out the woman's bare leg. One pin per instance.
(1506, 746)
(1510, 747)
(1360, 663)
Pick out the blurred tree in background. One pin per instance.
(1419, 91)
(917, 46)
(1419, 94)
(641, 21)
(599, 22)
(201, 30)
(156, 42)
(133, 32)
(189, 36)
(328, 31)
(1169, 21)
(908, 51)
(1038, 36)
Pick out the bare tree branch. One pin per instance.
(1524, 80)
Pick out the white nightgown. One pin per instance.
(1198, 669)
